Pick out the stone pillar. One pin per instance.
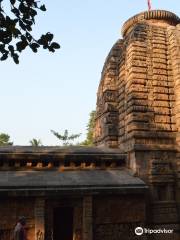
(39, 219)
(87, 218)
(77, 223)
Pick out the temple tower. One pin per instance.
(138, 107)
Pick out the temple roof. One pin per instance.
(23, 182)
(60, 158)
(53, 170)
(57, 149)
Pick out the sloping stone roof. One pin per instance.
(57, 149)
(53, 170)
(69, 181)
(41, 158)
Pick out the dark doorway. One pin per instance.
(63, 223)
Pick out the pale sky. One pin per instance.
(58, 91)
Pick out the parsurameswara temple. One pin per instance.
(131, 178)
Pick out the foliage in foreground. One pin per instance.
(16, 28)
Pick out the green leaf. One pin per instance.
(11, 48)
(55, 45)
(16, 32)
(43, 40)
(33, 12)
(15, 11)
(22, 25)
(43, 8)
(21, 45)
(2, 47)
(12, 2)
(34, 47)
(49, 37)
(28, 27)
(7, 40)
(23, 38)
(51, 49)
(15, 58)
(45, 47)
(23, 8)
(4, 57)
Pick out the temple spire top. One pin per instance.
(147, 16)
(149, 5)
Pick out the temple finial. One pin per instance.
(149, 5)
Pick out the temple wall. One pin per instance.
(108, 217)
(116, 217)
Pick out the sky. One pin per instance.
(58, 91)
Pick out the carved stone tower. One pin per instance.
(138, 108)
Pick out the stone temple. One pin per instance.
(131, 177)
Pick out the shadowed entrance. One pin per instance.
(63, 223)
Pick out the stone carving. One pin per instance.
(77, 235)
(39, 235)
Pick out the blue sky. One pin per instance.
(58, 91)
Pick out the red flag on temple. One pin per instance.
(149, 5)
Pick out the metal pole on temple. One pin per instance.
(149, 5)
